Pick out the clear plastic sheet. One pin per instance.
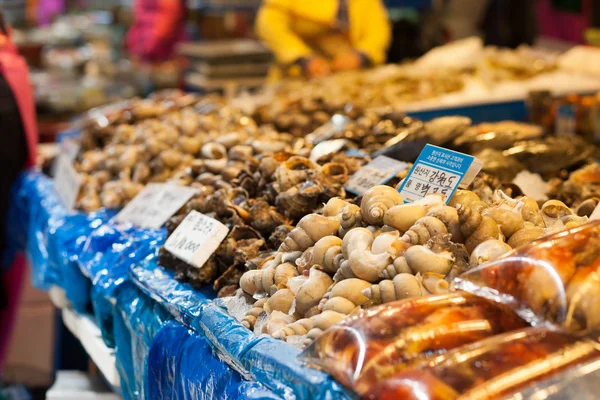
(378, 342)
(174, 370)
(555, 278)
(136, 322)
(492, 368)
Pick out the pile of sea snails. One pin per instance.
(353, 256)
(259, 195)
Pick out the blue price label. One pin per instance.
(438, 171)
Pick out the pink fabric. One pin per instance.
(158, 26)
(13, 280)
(14, 69)
(563, 25)
(48, 9)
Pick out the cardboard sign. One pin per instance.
(377, 172)
(67, 181)
(439, 170)
(155, 204)
(196, 239)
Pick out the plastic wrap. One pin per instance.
(65, 240)
(45, 211)
(111, 269)
(555, 278)
(265, 360)
(492, 368)
(180, 299)
(137, 319)
(16, 220)
(378, 342)
(174, 370)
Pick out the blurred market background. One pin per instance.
(78, 56)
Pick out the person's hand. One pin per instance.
(347, 61)
(317, 67)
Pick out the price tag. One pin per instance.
(155, 204)
(327, 147)
(439, 170)
(196, 238)
(67, 181)
(70, 147)
(329, 129)
(377, 172)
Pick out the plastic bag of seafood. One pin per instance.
(375, 344)
(525, 361)
(554, 278)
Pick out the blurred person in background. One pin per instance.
(18, 140)
(158, 25)
(317, 37)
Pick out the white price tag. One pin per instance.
(439, 170)
(155, 204)
(377, 172)
(196, 238)
(67, 181)
(329, 129)
(70, 147)
(327, 147)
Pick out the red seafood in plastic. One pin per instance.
(373, 345)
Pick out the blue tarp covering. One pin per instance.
(182, 365)
(263, 359)
(137, 320)
(133, 298)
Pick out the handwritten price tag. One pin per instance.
(67, 181)
(377, 172)
(154, 205)
(196, 239)
(439, 170)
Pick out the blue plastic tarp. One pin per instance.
(183, 302)
(106, 258)
(266, 360)
(183, 366)
(137, 319)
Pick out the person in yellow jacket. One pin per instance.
(317, 37)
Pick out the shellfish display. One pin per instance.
(356, 257)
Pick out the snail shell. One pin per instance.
(377, 201)
(403, 286)
(421, 259)
(487, 251)
(309, 230)
(213, 151)
(525, 236)
(312, 291)
(403, 216)
(327, 253)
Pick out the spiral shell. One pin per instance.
(327, 253)
(377, 201)
(424, 229)
(309, 230)
(403, 286)
(345, 296)
(312, 291)
(252, 315)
